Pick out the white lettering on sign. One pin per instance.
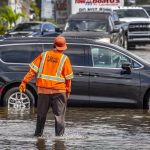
(93, 5)
(97, 1)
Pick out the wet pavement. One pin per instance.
(143, 52)
(86, 129)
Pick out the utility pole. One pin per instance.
(15, 10)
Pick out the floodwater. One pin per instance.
(86, 129)
(143, 52)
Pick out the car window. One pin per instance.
(48, 47)
(103, 57)
(122, 13)
(48, 27)
(147, 10)
(86, 25)
(28, 27)
(20, 53)
(76, 55)
(74, 52)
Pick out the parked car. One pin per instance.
(138, 25)
(104, 74)
(101, 26)
(32, 29)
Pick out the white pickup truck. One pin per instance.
(138, 21)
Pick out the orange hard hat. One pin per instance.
(60, 43)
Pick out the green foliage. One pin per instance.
(35, 9)
(9, 16)
(2, 29)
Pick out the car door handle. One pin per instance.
(82, 73)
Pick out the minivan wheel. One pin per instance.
(146, 104)
(13, 98)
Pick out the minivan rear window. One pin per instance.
(20, 53)
(76, 54)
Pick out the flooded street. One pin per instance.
(86, 129)
(143, 52)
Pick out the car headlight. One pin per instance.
(106, 40)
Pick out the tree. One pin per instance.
(10, 17)
(35, 9)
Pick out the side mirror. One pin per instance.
(126, 68)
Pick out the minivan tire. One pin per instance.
(15, 90)
(146, 104)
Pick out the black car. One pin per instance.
(104, 74)
(34, 29)
(102, 26)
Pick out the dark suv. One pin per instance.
(34, 29)
(101, 26)
(104, 74)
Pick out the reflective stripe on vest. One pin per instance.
(58, 73)
(63, 58)
(35, 68)
(41, 64)
(70, 76)
(53, 78)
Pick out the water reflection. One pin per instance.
(58, 145)
(40, 144)
(8, 113)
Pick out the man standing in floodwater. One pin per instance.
(53, 81)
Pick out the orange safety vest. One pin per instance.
(53, 68)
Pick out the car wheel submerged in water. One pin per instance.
(146, 104)
(15, 99)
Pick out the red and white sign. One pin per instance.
(93, 5)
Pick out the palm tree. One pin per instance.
(7, 14)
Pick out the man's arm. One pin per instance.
(34, 67)
(68, 88)
(29, 76)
